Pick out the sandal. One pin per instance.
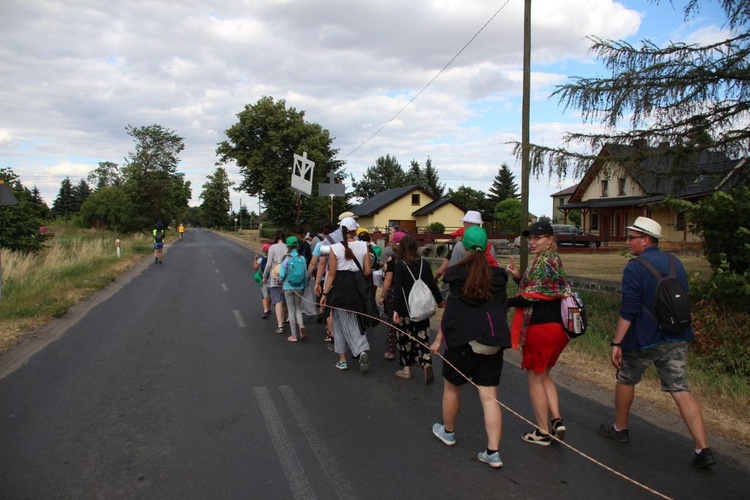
(405, 373)
(302, 333)
(280, 329)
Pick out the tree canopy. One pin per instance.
(384, 175)
(263, 143)
(687, 97)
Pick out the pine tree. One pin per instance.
(503, 186)
(691, 97)
(64, 204)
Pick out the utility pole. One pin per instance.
(525, 153)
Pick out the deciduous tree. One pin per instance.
(384, 175)
(263, 143)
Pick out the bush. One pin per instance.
(728, 289)
(722, 340)
(436, 228)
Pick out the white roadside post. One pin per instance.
(117, 245)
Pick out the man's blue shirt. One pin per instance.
(639, 291)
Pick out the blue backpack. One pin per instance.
(295, 271)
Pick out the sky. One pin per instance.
(75, 73)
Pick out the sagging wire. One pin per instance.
(442, 70)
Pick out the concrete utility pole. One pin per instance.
(525, 160)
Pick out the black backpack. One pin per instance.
(159, 235)
(671, 303)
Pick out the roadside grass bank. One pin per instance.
(74, 264)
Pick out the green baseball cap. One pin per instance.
(475, 238)
(292, 241)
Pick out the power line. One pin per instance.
(428, 83)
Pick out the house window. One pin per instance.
(621, 186)
(594, 222)
(680, 223)
(415, 199)
(605, 188)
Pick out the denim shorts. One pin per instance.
(670, 360)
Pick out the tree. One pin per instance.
(111, 208)
(503, 186)
(471, 199)
(150, 173)
(691, 97)
(384, 175)
(19, 224)
(81, 193)
(426, 177)
(106, 174)
(65, 203)
(41, 209)
(508, 216)
(215, 196)
(263, 143)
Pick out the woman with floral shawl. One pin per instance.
(537, 328)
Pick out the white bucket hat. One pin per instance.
(647, 226)
(472, 217)
(344, 215)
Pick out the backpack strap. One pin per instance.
(655, 272)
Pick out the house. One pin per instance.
(627, 181)
(559, 199)
(411, 207)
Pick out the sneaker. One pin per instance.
(364, 362)
(448, 438)
(608, 430)
(429, 375)
(156, 260)
(266, 314)
(292, 338)
(389, 356)
(492, 460)
(280, 329)
(536, 437)
(302, 333)
(558, 429)
(704, 459)
(341, 365)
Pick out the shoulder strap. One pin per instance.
(652, 269)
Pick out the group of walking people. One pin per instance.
(474, 331)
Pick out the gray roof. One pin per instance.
(381, 200)
(434, 206)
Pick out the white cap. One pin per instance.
(350, 223)
(647, 226)
(472, 217)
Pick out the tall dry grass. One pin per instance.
(74, 264)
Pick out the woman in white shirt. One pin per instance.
(341, 293)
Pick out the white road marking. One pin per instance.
(238, 318)
(295, 475)
(325, 457)
(224, 286)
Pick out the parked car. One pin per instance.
(566, 234)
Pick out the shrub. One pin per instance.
(436, 228)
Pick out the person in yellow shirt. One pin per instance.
(181, 229)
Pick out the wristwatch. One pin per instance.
(615, 344)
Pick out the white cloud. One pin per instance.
(74, 74)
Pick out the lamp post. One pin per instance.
(7, 198)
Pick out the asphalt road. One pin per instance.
(174, 387)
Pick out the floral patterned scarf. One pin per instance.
(544, 279)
